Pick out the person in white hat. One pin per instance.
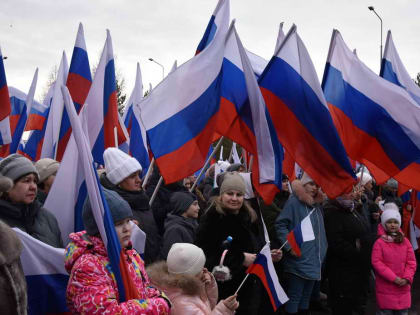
(47, 169)
(191, 288)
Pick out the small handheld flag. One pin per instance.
(303, 232)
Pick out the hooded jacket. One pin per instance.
(187, 293)
(297, 207)
(32, 219)
(139, 204)
(178, 230)
(92, 288)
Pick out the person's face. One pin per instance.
(232, 200)
(369, 186)
(192, 211)
(24, 190)
(241, 169)
(284, 185)
(123, 229)
(311, 188)
(392, 226)
(132, 182)
(48, 183)
(187, 183)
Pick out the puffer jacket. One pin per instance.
(92, 288)
(391, 260)
(187, 294)
(297, 207)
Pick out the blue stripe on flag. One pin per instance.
(80, 63)
(297, 231)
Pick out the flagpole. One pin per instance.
(116, 136)
(155, 191)
(149, 172)
(242, 283)
(207, 163)
(251, 161)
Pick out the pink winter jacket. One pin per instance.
(92, 288)
(391, 260)
(187, 293)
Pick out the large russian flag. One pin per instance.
(297, 106)
(378, 121)
(303, 232)
(263, 268)
(45, 275)
(105, 130)
(53, 124)
(181, 113)
(21, 104)
(5, 107)
(135, 128)
(79, 81)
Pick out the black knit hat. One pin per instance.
(181, 201)
(119, 208)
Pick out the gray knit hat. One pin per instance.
(120, 210)
(181, 201)
(232, 181)
(15, 166)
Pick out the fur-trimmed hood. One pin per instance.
(10, 245)
(160, 277)
(304, 197)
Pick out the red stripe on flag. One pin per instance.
(292, 242)
(78, 87)
(258, 270)
(5, 108)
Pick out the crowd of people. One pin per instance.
(199, 244)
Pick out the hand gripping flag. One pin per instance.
(104, 126)
(5, 107)
(180, 115)
(263, 268)
(377, 120)
(100, 210)
(21, 104)
(303, 232)
(46, 278)
(302, 121)
(79, 81)
(53, 125)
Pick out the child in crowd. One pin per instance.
(92, 288)
(395, 264)
(191, 288)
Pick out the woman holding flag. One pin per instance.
(302, 266)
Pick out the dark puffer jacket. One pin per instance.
(32, 219)
(139, 203)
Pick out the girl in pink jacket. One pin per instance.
(190, 287)
(395, 264)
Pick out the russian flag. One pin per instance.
(378, 121)
(181, 113)
(21, 103)
(303, 232)
(105, 130)
(45, 275)
(53, 124)
(79, 81)
(135, 128)
(304, 126)
(5, 107)
(263, 268)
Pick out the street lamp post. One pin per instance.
(163, 68)
(373, 9)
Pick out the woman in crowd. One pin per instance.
(122, 175)
(18, 206)
(301, 272)
(230, 215)
(181, 224)
(92, 288)
(395, 264)
(190, 287)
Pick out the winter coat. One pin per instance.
(297, 207)
(348, 264)
(214, 227)
(178, 230)
(12, 280)
(188, 295)
(32, 219)
(139, 203)
(391, 260)
(92, 288)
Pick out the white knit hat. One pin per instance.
(119, 165)
(46, 167)
(185, 258)
(305, 179)
(390, 214)
(366, 178)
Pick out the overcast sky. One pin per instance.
(34, 33)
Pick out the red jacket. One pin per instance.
(92, 288)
